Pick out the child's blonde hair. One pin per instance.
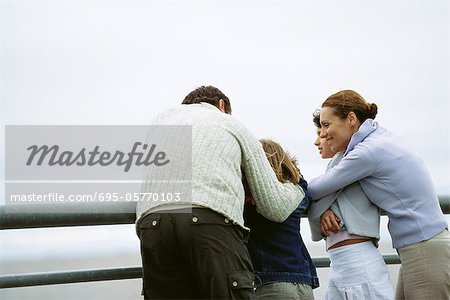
(283, 164)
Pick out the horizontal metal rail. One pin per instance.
(36, 279)
(115, 213)
(106, 214)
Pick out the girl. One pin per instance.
(280, 259)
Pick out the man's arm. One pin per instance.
(274, 200)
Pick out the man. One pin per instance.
(197, 249)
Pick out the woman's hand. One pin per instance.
(329, 222)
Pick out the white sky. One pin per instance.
(122, 62)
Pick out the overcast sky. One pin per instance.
(122, 62)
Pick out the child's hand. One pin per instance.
(329, 222)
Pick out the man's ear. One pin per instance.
(221, 106)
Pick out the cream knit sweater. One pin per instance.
(222, 148)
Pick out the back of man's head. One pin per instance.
(208, 94)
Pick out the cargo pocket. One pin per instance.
(148, 233)
(241, 285)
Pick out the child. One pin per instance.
(280, 259)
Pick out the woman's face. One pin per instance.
(324, 149)
(336, 131)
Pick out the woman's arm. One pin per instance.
(357, 164)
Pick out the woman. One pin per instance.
(394, 179)
(279, 256)
(357, 269)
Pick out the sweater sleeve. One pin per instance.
(274, 200)
(316, 210)
(357, 164)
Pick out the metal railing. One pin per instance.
(117, 213)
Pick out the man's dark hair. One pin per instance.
(208, 94)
